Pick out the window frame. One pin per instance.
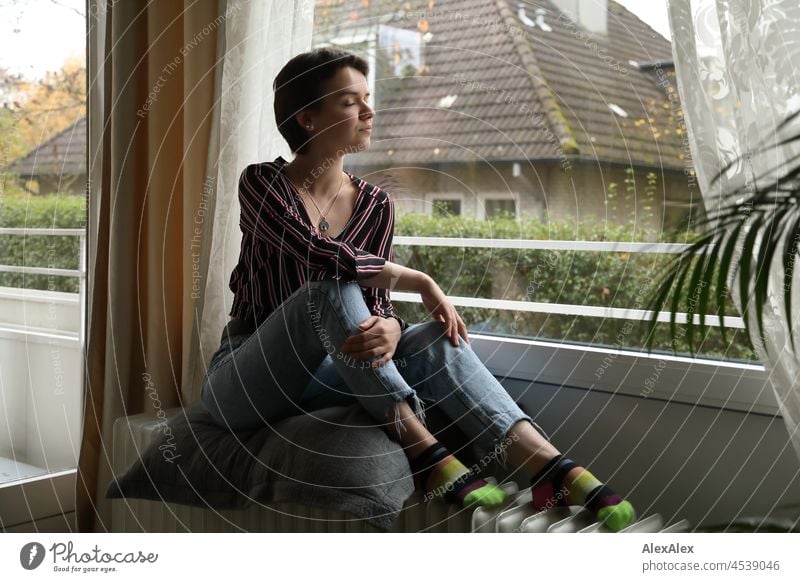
(726, 384)
(720, 384)
(54, 490)
(694, 381)
(480, 207)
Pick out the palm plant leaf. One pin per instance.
(705, 291)
(789, 257)
(763, 216)
(729, 238)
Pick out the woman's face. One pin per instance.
(344, 115)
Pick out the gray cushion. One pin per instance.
(333, 461)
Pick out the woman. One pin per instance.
(313, 325)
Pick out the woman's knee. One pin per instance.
(436, 337)
(347, 296)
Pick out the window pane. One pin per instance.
(500, 208)
(461, 110)
(43, 156)
(445, 207)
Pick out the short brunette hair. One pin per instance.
(298, 86)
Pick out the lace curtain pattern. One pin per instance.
(738, 71)
(260, 38)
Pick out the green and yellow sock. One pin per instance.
(563, 483)
(440, 474)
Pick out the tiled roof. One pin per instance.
(520, 92)
(63, 154)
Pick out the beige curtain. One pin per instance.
(179, 102)
(261, 37)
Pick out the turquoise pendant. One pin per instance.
(323, 225)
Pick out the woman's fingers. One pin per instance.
(456, 327)
(441, 309)
(451, 320)
(367, 348)
(462, 328)
(449, 325)
(386, 357)
(368, 354)
(453, 327)
(362, 344)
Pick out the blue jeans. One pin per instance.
(292, 365)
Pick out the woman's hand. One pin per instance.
(379, 337)
(440, 307)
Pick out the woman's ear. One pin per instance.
(304, 120)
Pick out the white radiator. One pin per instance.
(132, 435)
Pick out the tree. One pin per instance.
(12, 144)
(52, 103)
(33, 110)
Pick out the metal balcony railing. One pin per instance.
(80, 272)
(557, 308)
(520, 244)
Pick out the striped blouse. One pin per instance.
(280, 250)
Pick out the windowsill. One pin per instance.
(720, 384)
(36, 498)
(702, 382)
(12, 471)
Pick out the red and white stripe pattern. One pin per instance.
(280, 249)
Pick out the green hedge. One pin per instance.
(62, 252)
(606, 279)
(583, 278)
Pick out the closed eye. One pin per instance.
(355, 102)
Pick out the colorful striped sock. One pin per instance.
(440, 474)
(561, 482)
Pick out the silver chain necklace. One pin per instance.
(323, 224)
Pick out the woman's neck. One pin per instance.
(318, 176)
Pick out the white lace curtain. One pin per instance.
(738, 68)
(260, 38)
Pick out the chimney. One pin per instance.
(592, 15)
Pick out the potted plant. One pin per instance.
(752, 227)
(765, 217)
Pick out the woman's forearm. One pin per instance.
(399, 278)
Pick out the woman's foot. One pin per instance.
(440, 474)
(563, 483)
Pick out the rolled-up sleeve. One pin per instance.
(268, 216)
(379, 300)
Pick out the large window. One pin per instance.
(555, 136)
(43, 242)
